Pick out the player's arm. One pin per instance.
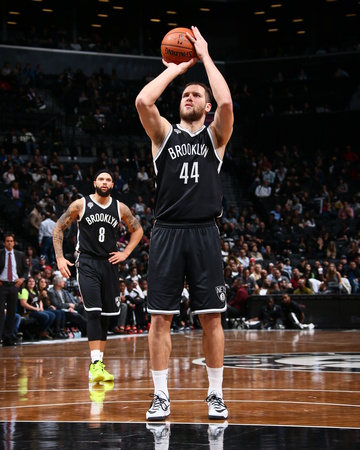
(136, 233)
(222, 125)
(72, 213)
(154, 124)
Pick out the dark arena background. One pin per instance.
(293, 68)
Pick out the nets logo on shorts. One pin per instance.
(221, 292)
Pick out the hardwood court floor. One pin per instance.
(284, 389)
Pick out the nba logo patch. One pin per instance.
(221, 292)
(117, 301)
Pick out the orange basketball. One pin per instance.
(176, 47)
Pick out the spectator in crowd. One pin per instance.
(238, 301)
(59, 299)
(346, 212)
(45, 238)
(35, 219)
(32, 305)
(60, 316)
(248, 282)
(302, 289)
(122, 321)
(136, 302)
(333, 282)
(269, 255)
(352, 273)
(243, 258)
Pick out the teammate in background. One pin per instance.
(185, 240)
(98, 218)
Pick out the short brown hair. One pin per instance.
(208, 92)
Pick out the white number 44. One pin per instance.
(184, 175)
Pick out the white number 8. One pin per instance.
(101, 234)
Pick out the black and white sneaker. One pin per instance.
(159, 407)
(217, 407)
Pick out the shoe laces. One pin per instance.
(158, 401)
(216, 402)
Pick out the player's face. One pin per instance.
(103, 185)
(193, 104)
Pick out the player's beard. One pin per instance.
(103, 193)
(191, 116)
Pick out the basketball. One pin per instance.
(176, 47)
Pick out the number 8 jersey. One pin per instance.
(98, 228)
(187, 168)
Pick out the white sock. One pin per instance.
(95, 355)
(160, 381)
(101, 356)
(215, 376)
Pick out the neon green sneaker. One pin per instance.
(96, 372)
(107, 376)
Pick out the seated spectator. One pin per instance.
(60, 317)
(308, 272)
(143, 179)
(248, 282)
(256, 273)
(135, 302)
(139, 206)
(263, 190)
(254, 253)
(331, 250)
(318, 270)
(332, 283)
(227, 277)
(243, 258)
(302, 288)
(237, 301)
(352, 273)
(60, 300)
(294, 280)
(225, 250)
(269, 255)
(287, 268)
(32, 305)
(120, 322)
(345, 212)
(133, 274)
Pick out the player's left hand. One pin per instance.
(117, 257)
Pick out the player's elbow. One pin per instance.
(142, 102)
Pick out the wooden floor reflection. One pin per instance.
(281, 388)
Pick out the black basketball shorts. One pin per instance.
(191, 252)
(99, 285)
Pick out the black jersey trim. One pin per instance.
(184, 225)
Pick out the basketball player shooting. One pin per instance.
(185, 240)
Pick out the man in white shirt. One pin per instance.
(46, 238)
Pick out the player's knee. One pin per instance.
(93, 316)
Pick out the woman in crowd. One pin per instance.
(60, 317)
(33, 305)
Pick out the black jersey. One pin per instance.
(98, 228)
(187, 169)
